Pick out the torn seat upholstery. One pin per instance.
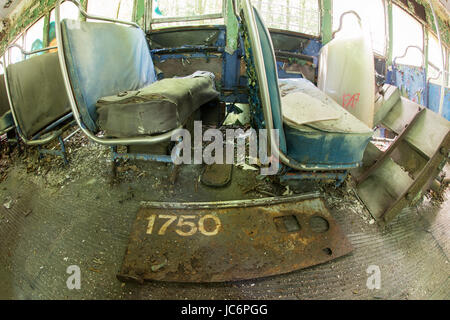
(160, 107)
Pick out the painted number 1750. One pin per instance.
(186, 225)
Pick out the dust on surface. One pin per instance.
(53, 216)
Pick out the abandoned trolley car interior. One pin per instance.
(224, 149)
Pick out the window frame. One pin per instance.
(7, 52)
(446, 71)
(115, 18)
(424, 31)
(152, 21)
(301, 33)
(25, 32)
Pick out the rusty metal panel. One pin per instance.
(184, 67)
(233, 240)
(421, 181)
(396, 178)
(178, 37)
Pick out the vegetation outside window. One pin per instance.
(294, 15)
(172, 9)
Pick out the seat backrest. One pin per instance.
(104, 59)
(272, 77)
(4, 103)
(37, 92)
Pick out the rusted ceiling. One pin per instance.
(7, 6)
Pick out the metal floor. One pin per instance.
(72, 216)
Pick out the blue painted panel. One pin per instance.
(231, 70)
(337, 150)
(313, 48)
(285, 75)
(434, 97)
(411, 81)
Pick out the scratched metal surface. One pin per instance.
(218, 244)
(88, 224)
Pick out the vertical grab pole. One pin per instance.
(441, 103)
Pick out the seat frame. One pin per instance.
(53, 131)
(2, 132)
(247, 10)
(113, 143)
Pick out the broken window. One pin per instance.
(115, 9)
(169, 13)
(373, 18)
(434, 59)
(294, 15)
(34, 36)
(407, 32)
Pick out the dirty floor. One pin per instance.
(52, 217)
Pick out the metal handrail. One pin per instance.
(236, 10)
(73, 104)
(94, 17)
(264, 90)
(29, 53)
(31, 142)
(436, 24)
(394, 62)
(436, 77)
(341, 20)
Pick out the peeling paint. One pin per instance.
(23, 16)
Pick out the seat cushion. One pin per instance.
(38, 93)
(319, 132)
(102, 60)
(315, 109)
(159, 107)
